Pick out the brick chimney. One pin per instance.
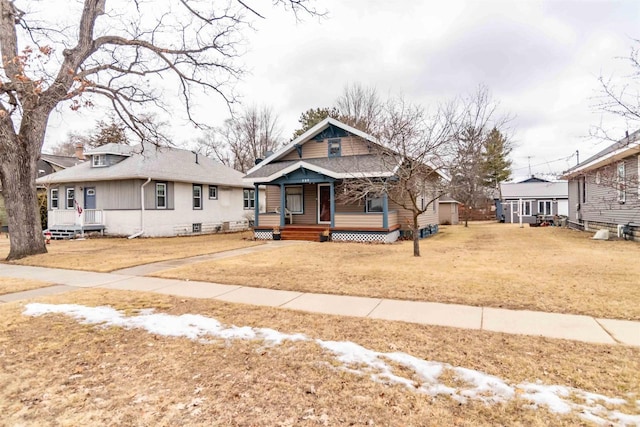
(79, 154)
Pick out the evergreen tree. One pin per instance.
(312, 117)
(496, 164)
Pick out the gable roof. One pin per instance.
(157, 163)
(60, 161)
(362, 166)
(337, 167)
(535, 190)
(324, 124)
(625, 147)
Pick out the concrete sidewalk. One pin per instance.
(552, 325)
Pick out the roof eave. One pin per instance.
(619, 154)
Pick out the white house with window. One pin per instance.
(533, 200)
(604, 189)
(148, 191)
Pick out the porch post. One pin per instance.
(256, 206)
(282, 205)
(385, 210)
(332, 202)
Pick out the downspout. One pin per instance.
(139, 233)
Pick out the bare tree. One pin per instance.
(68, 147)
(360, 107)
(118, 55)
(474, 124)
(620, 97)
(242, 140)
(413, 143)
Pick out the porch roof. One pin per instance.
(362, 166)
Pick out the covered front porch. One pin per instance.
(303, 204)
(68, 223)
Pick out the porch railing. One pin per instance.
(93, 216)
(71, 217)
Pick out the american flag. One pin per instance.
(78, 207)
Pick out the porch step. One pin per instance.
(300, 232)
(311, 236)
(62, 234)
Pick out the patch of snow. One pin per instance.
(423, 376)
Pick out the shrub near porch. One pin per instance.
(487, 264)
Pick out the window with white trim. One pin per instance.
(99, 160)
(70, 198)
(54, 198)
(197, 196)
(544, 207)
(527, 207)
(620, 181)
(293, 199)
(161, 195)
(213, 192)
(248, 198)
(374, 204)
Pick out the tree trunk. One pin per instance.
(18, 171)
(416, 238)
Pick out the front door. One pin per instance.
(89, 197)
(324, 203)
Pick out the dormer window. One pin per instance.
(334, 148)
(99, 160)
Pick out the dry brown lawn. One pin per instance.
(109, 254)
(496, 265)
(11, 285)
(55, 370)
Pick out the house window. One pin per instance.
(598, 178)
(213, 192)
(197, 196)
(99, 160)
(621, 183)
(544, 207)
(161, 195)
(293, 199)
(374, 204)
(527, 207)
(71, 197)
(334, 148)
(54, 198)
(248, 197)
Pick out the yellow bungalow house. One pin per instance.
(306, 182)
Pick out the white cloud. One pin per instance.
(541, 58)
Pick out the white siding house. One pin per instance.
(531, 200)
(147, 191)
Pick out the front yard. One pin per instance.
(109, 254)
(56, 369)
(496, 265)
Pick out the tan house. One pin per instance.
(306, 182)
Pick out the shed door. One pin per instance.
(89, 197)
